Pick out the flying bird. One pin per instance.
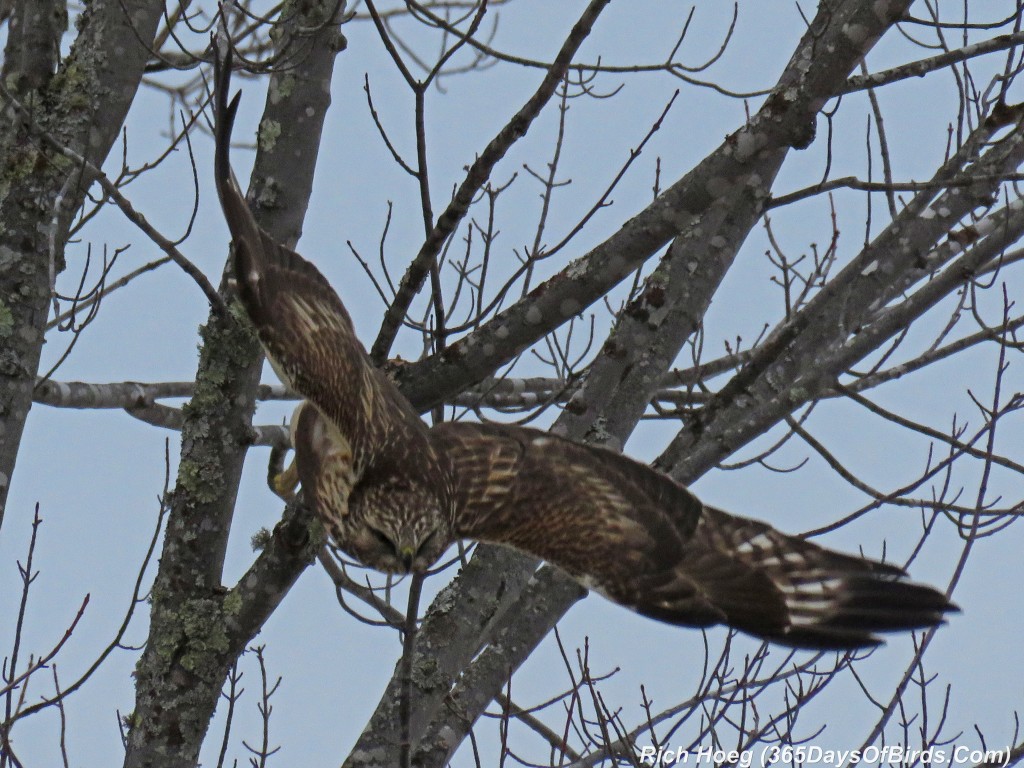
(395, 494)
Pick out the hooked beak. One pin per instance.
(407, 554)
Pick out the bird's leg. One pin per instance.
(282, 482)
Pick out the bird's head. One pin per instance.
(395, 528)
(392, 518)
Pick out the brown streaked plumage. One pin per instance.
(394, 494)
(362, 454)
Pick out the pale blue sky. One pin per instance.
(96, 474)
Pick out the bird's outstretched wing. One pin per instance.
(615, 525)
(305, 329)
(643, 540)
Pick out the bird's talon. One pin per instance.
(282, 482)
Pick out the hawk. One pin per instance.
(395, 494)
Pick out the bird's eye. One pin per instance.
(384, 540)
(423, 544)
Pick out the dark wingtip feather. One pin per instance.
(824, 639)
(224, 121)
(867, 604)
(245, 232)
(794, 592)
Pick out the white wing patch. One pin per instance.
(757, 544)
